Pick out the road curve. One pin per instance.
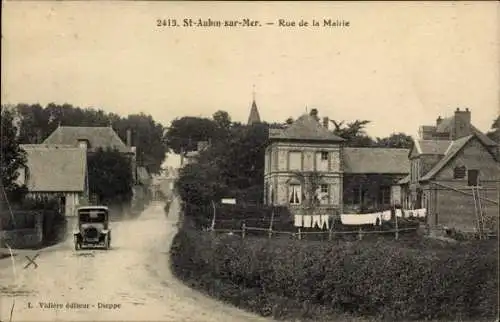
(132, 280)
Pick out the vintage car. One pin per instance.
(93, 227)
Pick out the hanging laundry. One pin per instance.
(410, 213)
(316, 221)
(420, 212)
(358, 219)
(325, 221)
(306, 221)
(298, 221)
(399, 213)
(386, 215)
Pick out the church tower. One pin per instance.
(254, 116)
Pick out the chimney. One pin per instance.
(426, 132)
(314, 113)
(438, 120)
(461, 124)
(129, 137)
(326, 121)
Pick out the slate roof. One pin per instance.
(447, 125)
(432, 146)
(98, 137)
(55, 168)
(305, 128)
(455, 147)
(376, 160)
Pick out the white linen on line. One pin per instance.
(420, 212)
(325, 221)
(306, 221)
(358, 219)
(386, 215)
(316, 221)
(298, 221)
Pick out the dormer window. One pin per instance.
(459, 172)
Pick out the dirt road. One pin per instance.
(130, 282)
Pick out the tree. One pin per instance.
(243, 161)
(494, 133)
(231, 168)
(110, 176)
(222, 120)
(148, 137)
(37, 123)
(199, 184)
(184, 133)
(395, 140)
(12, 156)
(353, 132)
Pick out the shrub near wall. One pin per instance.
(306, 279)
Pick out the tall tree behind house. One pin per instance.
(37, 123)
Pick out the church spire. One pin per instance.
(254, 116)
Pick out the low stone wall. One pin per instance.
(22, 238)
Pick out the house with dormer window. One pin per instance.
(93, 138)
(448, 160)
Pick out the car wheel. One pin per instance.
(106, 242)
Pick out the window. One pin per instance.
(459, 172)
(384, 196)
(323, 194)
(295, 194)
(322, 161)
(357, 196)
(295, 161)
(473, 177)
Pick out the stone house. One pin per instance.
(56, 171)
(306, 161)
(447, 160)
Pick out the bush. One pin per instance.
(391, 280)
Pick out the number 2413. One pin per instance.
(166, 22)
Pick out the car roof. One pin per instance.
(93, 208)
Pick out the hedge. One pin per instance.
(383, 279)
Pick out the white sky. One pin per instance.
(398, 64)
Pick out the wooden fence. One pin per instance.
(299, 234)
(286, 227)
